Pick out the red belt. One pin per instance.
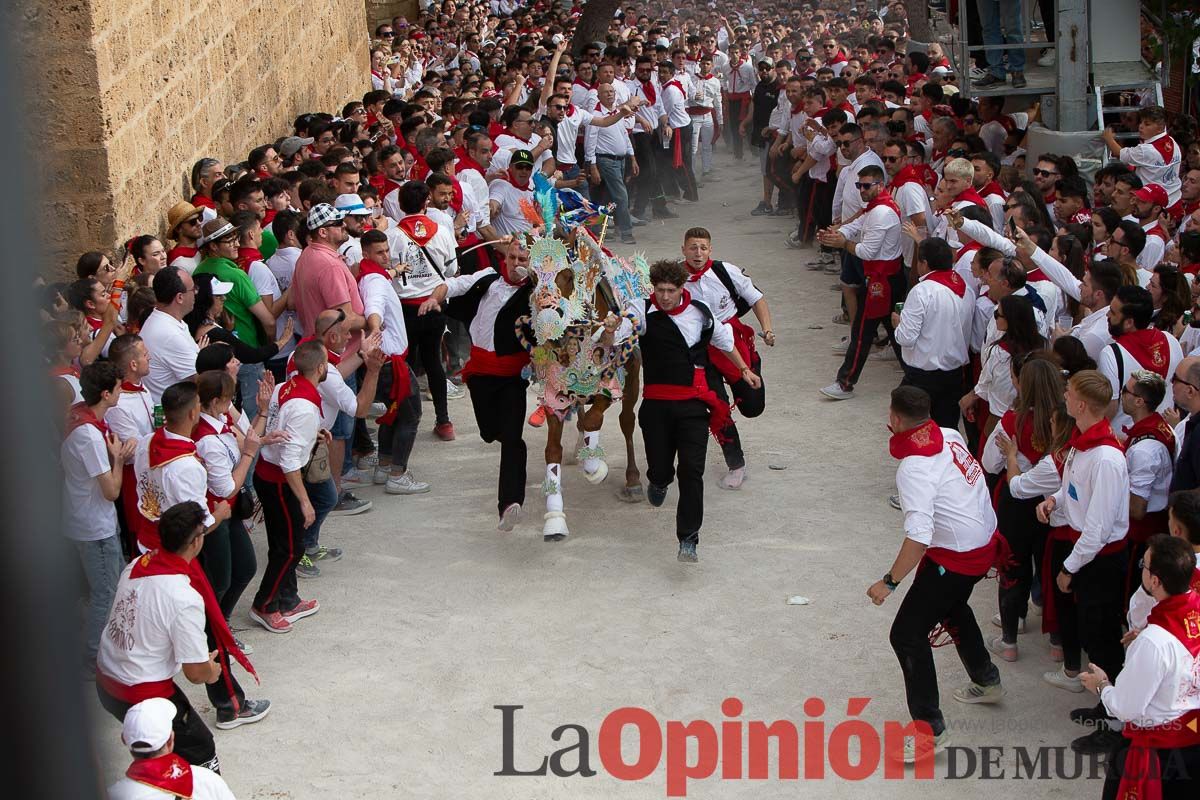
(879, 289)
(136, 693)
(719, 417)
(743, 342)
(413, 301)
(486, 362)
(995, 553)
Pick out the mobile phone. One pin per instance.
(1012, 226)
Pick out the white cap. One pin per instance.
(941, 71)
(352, 205)
(221, 288)
(148, 725)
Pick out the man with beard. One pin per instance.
(356, 218)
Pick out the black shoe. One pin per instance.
(762, 210)
(1088, 717)
(785, 211)
(554, 537)
(1018, 80)
(991, 81)
(687, 549)
(656, 494)
(1097, 743)
(252, 711)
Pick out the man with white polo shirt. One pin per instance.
(1148, 203)
(1137, 344)
(172, 348)
(950, 544)
(1150, 453)
(871, 239)
(157, 770)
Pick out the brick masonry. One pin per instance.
(129, 93)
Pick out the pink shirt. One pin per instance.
(322, 281)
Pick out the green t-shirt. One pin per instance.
(269, 243)
(240, 298)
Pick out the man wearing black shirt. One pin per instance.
(766, 95)
(1186, 384)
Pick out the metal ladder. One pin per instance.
(1102, 89)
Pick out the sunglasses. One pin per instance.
(340, 318)
(1042, 173)
(558, 108)
(879, 69)
(848, 142)
(862, 186)
(892, 159)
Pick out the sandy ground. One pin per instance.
(434, 617)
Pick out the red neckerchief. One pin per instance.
(1189, 206)
(928, 176)
(884, 198)
(247, 256)
(420, 228)
(510, 178)
(923, 440)
(914, 79)
(840, 58)
(509, 132)
(169, 772)
(1098, 435)
(927, 115)
(797, 108)
(908, 174)
(301, 388)
(1021, 432)
(79, 415)
(126, 386)
(1179, 615)
(648, 90)
(948, 278)
(937, 155)
(368, 267)
(269, 217)
(706, 77)
(160, 562)
(966, 248)
(992, 188)
(677, 310)
(1191, 269)
(378, 75)
(581, 84)
(334, 360)
(1050, 198)
(179, 251)
(466, 162)
(205, 428)
(165, 449)
(1165, 146)
(1152, 427)
(1149, 347)
(1157, 230)
(675, 82)
(58, 372)
(971, 196)
(506, 273)
(456, 199)
(696, 275)
(1036, 275)
(94, 323)
(203, 201)
(494, 130)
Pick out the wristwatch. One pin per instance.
(889, 582)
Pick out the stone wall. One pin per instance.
(383, 10)
(129, 93)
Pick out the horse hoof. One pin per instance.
(631, 494)
(555, 527)
(599, 475)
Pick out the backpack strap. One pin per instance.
(718, 268)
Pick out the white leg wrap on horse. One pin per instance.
(552, 488)
(591, 452)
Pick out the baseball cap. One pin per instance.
(521, 157)
(292, 144)
(766, 63)
(322, 214)
(220, 288)
(942, 71)
(147, 725)
(1152, 193)
(352, 205)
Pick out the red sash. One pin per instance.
(1178, 615)
(486, 362)
(877, 271)
(743, 342)
(995, 554)
(169, 772)
(1165, 146)
(401, 388)
(909, 174)
(719, 417)
(1149, 347)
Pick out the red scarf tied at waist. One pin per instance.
(1141, 777)
(401, 387)
(169, 772)
(878, 271)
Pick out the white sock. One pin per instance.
(591, 440)
(552, 487)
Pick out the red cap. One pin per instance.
(1152, 193)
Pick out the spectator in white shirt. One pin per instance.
(172, 349)
(605, 150)
(92, 459)
(157, 770)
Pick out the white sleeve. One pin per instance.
(1140, 679)
(917, 494)
(216, 463)
(1059, 275)
(187, 633)
(912, 317)
(461, 284)
(1042, 480)
(1140, 606)
(1145, 460)
(120, 423)
(722, 336)
(745, 287)
(264, 281)
(987, 237)
(190, 482)
(335, 392)
(992, 459)
(1140, 155)
(371, 289)
(852, 230)
(302, 430)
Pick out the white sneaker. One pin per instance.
(885, 353)
(370, 460)
(1020, 623)
(842, 345)
(380, 476)
(1046, 59)
(1062, 680)
(454, 391)
(978, 74)
(834, 391)
(356, 479)
(405, 484)
(733, 479)
(894, 502)
(378, 409)
(511, 517)
(921, 747)
(974, 693)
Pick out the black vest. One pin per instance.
(504, 336)
(666, 357)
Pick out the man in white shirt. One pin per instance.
(1137, 344)
(505, 194)
(172, 348)
(950, 544)
(932, 329)
(1148, 204)
(1150, 454)
(675, 128)
(704, 107)
(605, 150)
(92, 460)
(157, 771)
(871, 239)
(1087, 553)
(848, 202)
(1157, 158)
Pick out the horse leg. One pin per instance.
(555, 527)
(570, 457)
(595, 468)
(631, 492)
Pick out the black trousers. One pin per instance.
(863, 330)
(750, 402)
(736, 108)
(1026, 537)
(226, 688)
(647, 187)
(945, 388)
(425, 353)
(1180, 771)
(396, 440)
(285, 546)
(499, 404)
(229, 562)
(1091, 614)
(671, 430)
(679, 180)
(193, 740)
(937, 596)
(816, 206)
(779, 170)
